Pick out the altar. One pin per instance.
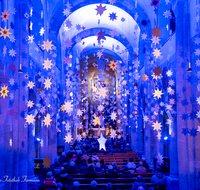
(94, 131)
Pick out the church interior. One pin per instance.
(99, 95)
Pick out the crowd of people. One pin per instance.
(77, 161)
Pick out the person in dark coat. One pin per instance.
(139, 182)
(75, 185)
(90, 173)
(84, 167)
(110, 172)
(159, 178)
(102, 164)
(115, 167)
(126, 173)
(145, 164)
(72, 169)
(98, 168)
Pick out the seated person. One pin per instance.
(139, 183)
(141, 169)
(56, 168)
(84, 167)
(90, 162)
(72, 169)
(109, 186)
(62, 157)
(145, 164)
(110, 172)
(131, 163)
(102, 164)
(140, 188)
(98, 168)
(159, 177)
(73, 158)
(93, 185)
(78, 162)
(130, 168)
(122, 149)
(75, 185)
(90, 173)
(59, 185)
(126, 173)
(50, 180)
(128, 147)
(69, 183)
(115, 167)
(85, 156)
(95, 158)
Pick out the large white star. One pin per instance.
(102, 142)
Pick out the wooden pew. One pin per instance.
(122, 186)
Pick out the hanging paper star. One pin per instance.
(47, 45)
(159, 159)
(101, 36)
(159, 135)
(79, 113)
(47, 83)
(156, 31)
(157, 71)
(96, 120)
(155, 40)
(113, 65)
(30, 104)
(100, 9)
(5, 32)
(113, 134)
(46, 162)
(68, 138)
(157, 126)
(68, 107)
(68, 43)
(5, 15)
(102, 142)
(100, 108)
(78, 137)
(113, 116)
(67, 126)
(12, 52)
(42, 30)
(30, 119)
(112, 2)
(102, 92)
(156, 53)
(167, 14)
(47, 64)
(144, 77)
(66, 12)
(198, 129)
(113, 16)
(157, 93)
(47, 120)
(4, 91)
(113, 33)
(144, 36)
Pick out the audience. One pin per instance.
(159, 179)
(139, 183)
(78, 161)
(141, 169)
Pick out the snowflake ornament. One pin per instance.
(113, 134)
(160, 160)
(68, 138)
